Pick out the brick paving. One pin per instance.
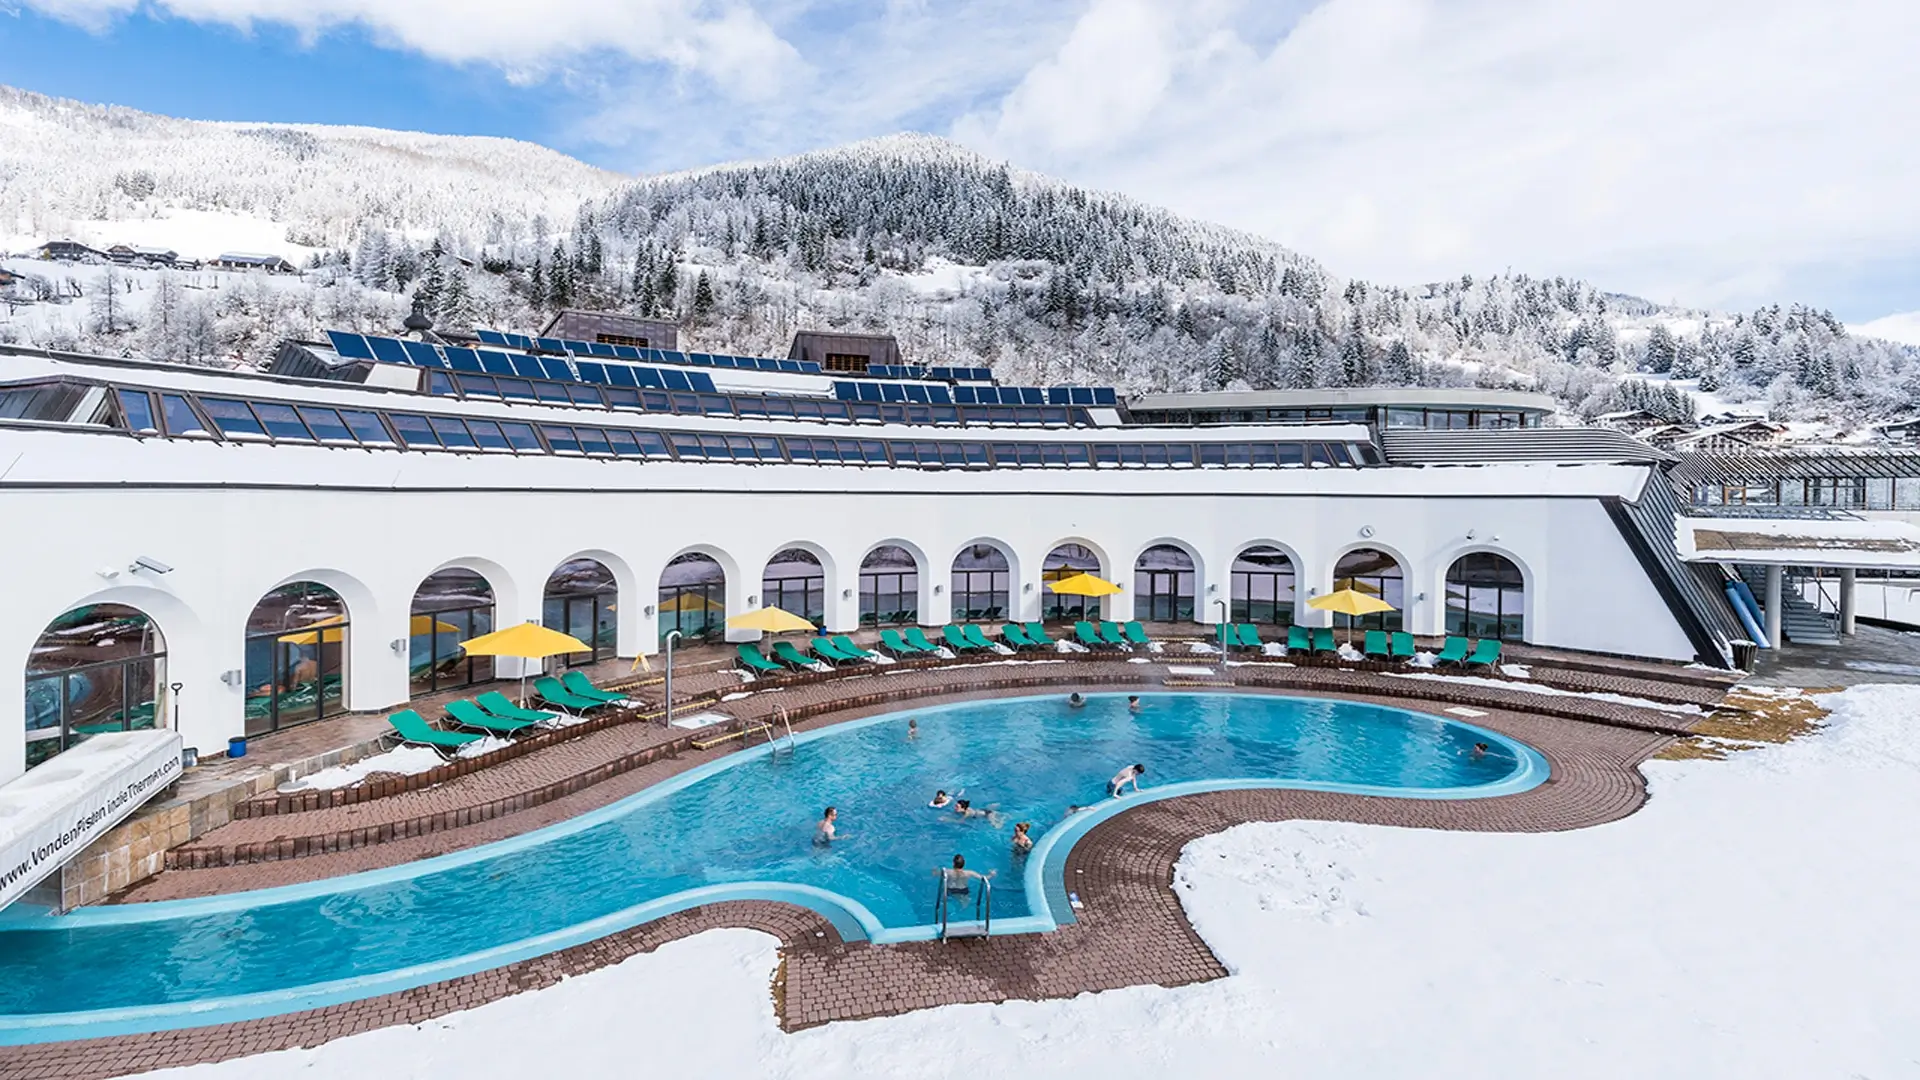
(1131, 932)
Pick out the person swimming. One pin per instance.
(960, 880)
(1129, 775)
(824, 832)
(1133, 702)
(1022, 843)
(1076, 700)
(940, 800)
(913, 729)
(1479, 751)
(964, 808)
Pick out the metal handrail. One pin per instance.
(982, 903)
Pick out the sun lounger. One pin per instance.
(955, 640)
(752, 660)
(1015, 637)
(829, 650)
(1085, 633)
(578, 682)
(1323, 640)
(1037, 634)
(975, 637)
(786, 653)
(1298, 640)
(1110, 633)
(891, 641)
(1376, 645)
(554, 692)
(503, 707)
(1134, 633)
(1453, 652)
(1486, 653)
(1402, 645)
(1227, 634)
(413, 728)
(849, 649)
(1250, 638)
(918, 639)
(469, 714)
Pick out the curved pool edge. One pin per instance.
(1044, 880)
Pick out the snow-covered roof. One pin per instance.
(1841, 542)
(1412, 397)
(1487, 446)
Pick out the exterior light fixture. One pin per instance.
(232, 678)
(1366, 531)
(752, 600)
(149, 564)
(938, 589)
(1028, 587)
(1471, 533)
(648, 610)
(398, 645)
(108, 572)
(1212, 587)
(846, 594)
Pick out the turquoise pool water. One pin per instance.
(738, 827)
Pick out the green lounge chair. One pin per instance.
(554, 692)
(578, 682)
(503, 707)
(1227, 634)
(1110, 633)
(975, 637)
(1453, 652)
(1298, 640)
(1088, 636)
(469, 714)
(1015, 637)
(956, 639)
(918, 639)
(1376, 646)
(1323, 640)
(891, 641)
(413, 728)
(1486, 653)
(849, 649)
(1250, 637)
(1135, 633)
(752, 660)
(1037, 634)
(829, 650)
(785, 652)
(1402, 645)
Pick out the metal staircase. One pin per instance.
(1800, 621)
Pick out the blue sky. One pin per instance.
(1661, 147)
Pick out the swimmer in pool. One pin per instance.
(960, 879)
(1129, 775)
(940, 800)
(913, 729)
(964, 808)
(823, 831)
(1076, 700)
(1133, 703)
(1022, 843)
(1479, 751)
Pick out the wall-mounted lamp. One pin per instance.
(1212, 587)
(231, 678)
(752, 600)
(108, 572)
(846, 594)
(938, 589)
(398, 645)
(150, 564)
(1028, 587)
(648, 610)
(1419, 596)
(1471, 534)
(1366, 531)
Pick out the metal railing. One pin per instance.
(982, 905)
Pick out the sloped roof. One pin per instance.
(1487, 446)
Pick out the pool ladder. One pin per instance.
(781, 745)
(982, 922)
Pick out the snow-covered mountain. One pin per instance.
(967, 260)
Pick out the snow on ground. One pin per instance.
(1550, 691)
(194, 234)
(1754, 920)
(403, 760)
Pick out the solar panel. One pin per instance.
(917, 394)
(592, 372)
(869, 391)
(492, 337)
(466, 360)
(702, 382)
(1080, 395)
(672, 356)
(350, 346)
(650, 378)
(675, 380)
(626, 352)
(622, 375)
(496, 363)
(528, 366)
(809, 367)
(421, 353)
(846, 391)
(578, 348)
(548, 344)
(699, 360)
(965, 395)
(790, 365)
(1104, 395)
(938, 394)
(1032, 395)
(1057, 395)
(725, 361)
(601, 348)
(892, 392)
(556, 368)
(388, 349)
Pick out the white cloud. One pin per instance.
(1688, 149)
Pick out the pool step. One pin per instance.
(760, 728)
(1194, 676)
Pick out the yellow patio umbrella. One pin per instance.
(1084, 585)
(1349, 602)
(528, 641)
(772, 620)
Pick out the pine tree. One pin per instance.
(559, 277)
(703, 300)
(1661, 349)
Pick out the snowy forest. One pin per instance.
(966, 260)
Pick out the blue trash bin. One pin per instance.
(237, 746)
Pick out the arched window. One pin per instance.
(579, 600)
(296, 657)
(96, 668)
(693, 597)
(1375, 573)
(1163, 584)
(449, 607)
(1065, 561)
(981, 582)
(795, 583)
(889, 587)
(1486, 597)
(1263, 586)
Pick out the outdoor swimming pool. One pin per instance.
(738, 827)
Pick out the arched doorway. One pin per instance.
(1065, 561)
(449, 607)
(981, 583)
(296, 657)
(1263, 584)
(693, 597)
(1163, 584)
(1486, 597)
(889, 587)
(580, 600)
(1376, 573)
(794, 582)
(100, 667)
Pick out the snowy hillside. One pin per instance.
(967, 260)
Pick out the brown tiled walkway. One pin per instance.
(1132, 931)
